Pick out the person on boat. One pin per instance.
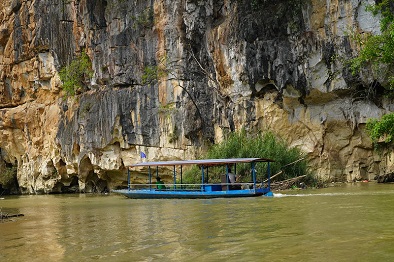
(159, 183)
(231, 176)
(233, 179)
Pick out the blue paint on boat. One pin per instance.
(203, 190)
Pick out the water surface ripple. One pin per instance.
(342, 223)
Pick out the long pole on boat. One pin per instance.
(128, 178)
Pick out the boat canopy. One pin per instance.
(203, 162)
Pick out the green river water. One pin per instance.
(350, 222)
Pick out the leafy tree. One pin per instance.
(381, 130)
(74, 74)
(378, 50)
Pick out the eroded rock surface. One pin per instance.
(225, 65)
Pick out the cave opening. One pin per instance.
(72, 188)
(94, 184)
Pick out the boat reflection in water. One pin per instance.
(224, 188)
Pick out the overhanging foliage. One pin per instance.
(381, 131)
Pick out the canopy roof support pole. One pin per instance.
(181, 176)
(227, 178)
(254, 174)
(150, 179)
(174, 177)
(202, 178)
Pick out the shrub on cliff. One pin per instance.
(74, 75)
(265, 145)
(381, 131)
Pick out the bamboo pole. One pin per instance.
(280, 172)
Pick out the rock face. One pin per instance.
(223, 65)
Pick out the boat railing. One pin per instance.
(180, 187)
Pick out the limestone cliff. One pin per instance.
(229, 64)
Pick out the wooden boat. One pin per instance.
(178, 189)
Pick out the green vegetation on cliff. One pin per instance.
(74, 75)
(145, 19)
(378, 50)
(265, 145)
(381, 131)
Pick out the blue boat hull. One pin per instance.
(191, 194)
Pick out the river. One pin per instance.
(348, 222)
